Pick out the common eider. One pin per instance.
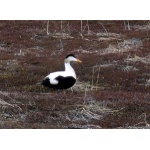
(62, 79)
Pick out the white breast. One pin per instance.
(69, 71)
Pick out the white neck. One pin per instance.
(69, 69)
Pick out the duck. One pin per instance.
(62, 79)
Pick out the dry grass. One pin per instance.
(125, 46)
(142, 27)
(145, 60)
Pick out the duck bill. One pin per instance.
(79, 61)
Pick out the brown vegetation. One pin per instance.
(113, 87)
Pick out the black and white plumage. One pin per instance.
(62, 79)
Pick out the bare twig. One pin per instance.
(61, 45)
(91, 114)
(85, 95)
(92, 82)
(104, 29)
(97, 77)
(81, 27)
(61, 26)
(47, 31)
(127, 26)
(88, 27)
